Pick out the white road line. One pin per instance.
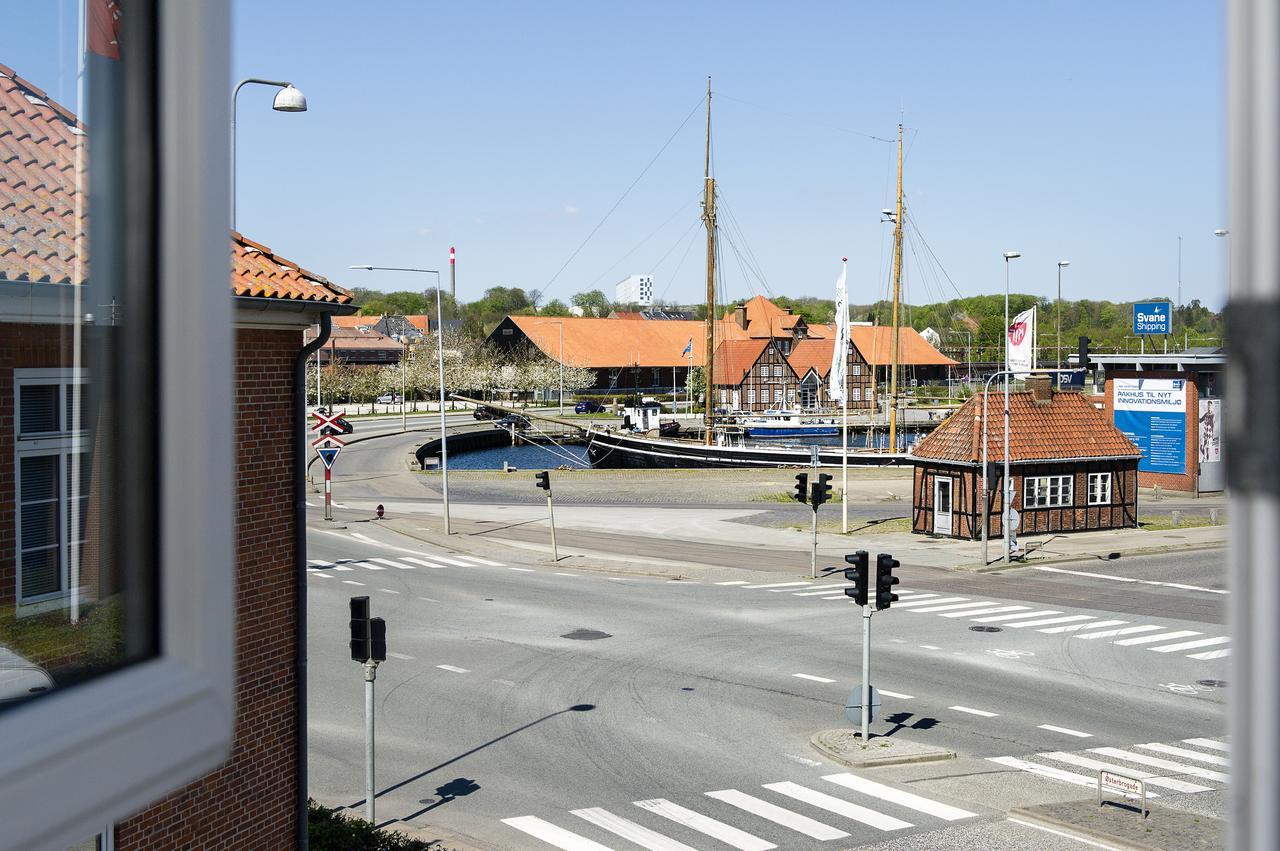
(312, 505)
(920, 601)
(920, 598)
(479, 560)
(734, 582)
(1208, 743)
(838, 806)
(424, 562)
(400, 656)
(998, 618)
(351, 582)
(630, 831)
(388, 591)
(395, 564)
(1061, 833)
(1191, 645)
(1153, 780)
(1151, 639)
(318, 563)
(812, 677)
(429, 599)
(1212, 654)
(619, 578)
(522, 569)
(343, 567)
(778, 815)
(1131, 579)
(1045, 771)
(969, 606)
(705, 824)
(996, 610)
(1166, 764)
(929, 647)
(574, 574)
(1047, 621)
(1065, 731)
(454, 669)
(901, 797)
(1112, 633)
(553, 835)
(1185, 753)
(445, 559)
(814, 593)
(984, 713)
(321, 574)
(776, 585)
(840, 596)
(898, 695)
(1074, 627)
(368, 566)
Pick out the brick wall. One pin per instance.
(1185, 481)
(249, 803)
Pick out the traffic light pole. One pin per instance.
(813, 550)
(866, 671)
(370, 674)
(551, 515)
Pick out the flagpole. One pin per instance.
(844, 411)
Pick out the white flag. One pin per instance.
(836, 378)
(1020, 348)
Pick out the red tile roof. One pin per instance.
(811, 354)
(598, 342)
(876, 344)
(734, 359)
(1069, 427)
(257, 271)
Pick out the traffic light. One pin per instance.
(821, 489)
(802, 487)
(378, 640)
(360, 629)
(858, 576)
(885, 580)
(1084, 353)
(544, 480)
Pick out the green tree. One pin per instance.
(555, 307)
(593, 303)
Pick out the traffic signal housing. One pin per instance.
(821, 490)
(360, 631)
(1084, 353)
(544, 480)
(858, 575)
(802, 487)
(885, 580)
(378, 639)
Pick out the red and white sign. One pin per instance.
(1020, 350)
(327, 420)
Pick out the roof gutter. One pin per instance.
(1025, 461)
(295, 305)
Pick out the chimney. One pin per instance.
(1041, 389)
(740, 314)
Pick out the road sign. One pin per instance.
(853, 705)
(327, 440)
(330, 420)
(328, 454)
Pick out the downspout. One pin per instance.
(300, 567)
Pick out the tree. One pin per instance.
(555, 307)
(593, 303)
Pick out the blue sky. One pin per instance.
(1088, 131)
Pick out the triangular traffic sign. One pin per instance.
(328, 455)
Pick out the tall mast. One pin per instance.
(709, 218)
(897, 289)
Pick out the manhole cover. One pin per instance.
(1212, 683)
(586, 635)
(985, 629)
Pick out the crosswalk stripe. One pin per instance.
(395, 564)
(1074, 627)
(998, 618)
(343, 567)
(705, 824)
(1066, 731)
(1185, 753)
(1212, 654)
(995, 611)
(319, 563)
(812, 677)
(1047, 621)
(1191, 645)
(951, 607)
(453, 669)
(778, 815)
(733, 582)
(479, 560)
(553, 835)
(814, 593)
(1044, 770)
(351, 582)
(775, 585)
(838, 806)
(916, 601)
(1208, 743)
(1151, 639)
(522, 569)
(1097, 764)
(971, 711)
(368, 566)
(630, 831)
(841, 596)
(1166, 764)
(424, 562)
(321, 574)
(901, 797)
(446, 559)
(920, 598)
(1112, 633)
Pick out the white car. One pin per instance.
(20, 679)
(389, 398)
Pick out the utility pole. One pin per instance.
(544, 481)
(709, 219)
(897, 289)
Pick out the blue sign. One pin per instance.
(1152, 412)
(1152, 317)
(328, 455)
(1069, 378)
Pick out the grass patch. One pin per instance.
(1164, 522)
(63, 648)
(858, 526)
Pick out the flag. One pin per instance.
(688, 348)
(1020, 352)
(839, 362)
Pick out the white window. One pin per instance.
(724, 396)
(751, 396)
(764, 370)
(1047, 491)
(855, 369)
(777, 370)
(777, 394)
(791, 397)
(855, 395)
(1099, 488)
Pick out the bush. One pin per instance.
(330, 830)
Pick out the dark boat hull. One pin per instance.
(609, 450)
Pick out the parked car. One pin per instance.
(21, 679)
(344, 427)
(517, 421)
(388, 398)
(487, 412)
(588, 406)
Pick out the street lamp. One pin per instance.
(1223, 232)
(561, 396)
(444, 448)
(1006, 498)
(288, 99)
(1058, 317)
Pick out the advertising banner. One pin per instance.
(1020, 352)
(1152, 412)
(1151, 317)
(1210, 430)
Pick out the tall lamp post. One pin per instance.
(1226, 234)
(1057, 321)
(1006, 498)
(288, 99)
(560, 398)
(444, 435)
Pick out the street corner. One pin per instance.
(1123, 825)
(845, 746)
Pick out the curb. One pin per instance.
(937, 755)
(1067, 559)
(1019, 815)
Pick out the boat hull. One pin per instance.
(610, 450)
(766, 432)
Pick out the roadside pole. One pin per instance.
(368, 647)
(544, 481)
(328, 494)
(866, 670)
(370, 674)
(819, 492)
(813, 551)
(328, 445)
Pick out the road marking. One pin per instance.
(778, 815)
(996, 610)
(1208, 743)
(898, 695)
(1112, 633)
(705, 824)
(312, 505)
(479, 560)
(812, 677)
(1065, 731)
(1151, 639)
(1073, 627)
(997, 618)
(453, 668)
(629, 830)
(969, 606)
(1095, 764)
(1191, 645)
(1184, 753)
(400, 656)
(619, 578)
(812, 763)
(320, 574)
(984, 713)
(1045, 771)
(396, 564)
(343, 567)
(920, 601)
(522, 569)
(351, 582)
(367, 566)
(1061, 833)
(915, 598)
(553, 835)
(838, 806)
(445, 559)
(424, 562)
(841, 596)
(776, 585)
(902, 798)
(388, 591)
(1166, 764)
(1047, 621)
(734, 582)
(929, 647)
(1131, 579)
(1212, 654)
(319, 563)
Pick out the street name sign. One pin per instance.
(1124, 785)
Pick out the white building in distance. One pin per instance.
(636, 289)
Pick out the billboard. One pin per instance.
(1152, 412)
(1210, 430)
(1152, 317)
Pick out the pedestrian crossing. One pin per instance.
(1188, 766)
(1193, 644)
(322, 569)
(778, 816)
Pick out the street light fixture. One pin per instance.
(1006, 498)
(1058, 312)
(444, 446)
(288, 99)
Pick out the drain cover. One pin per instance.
(985, 629)
(586, 635)
(1212, 683)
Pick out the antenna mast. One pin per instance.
(897, 288)
(709, 219)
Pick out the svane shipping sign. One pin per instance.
(1151, 317)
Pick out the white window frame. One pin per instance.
(1099, 489)
(777, 370)
(855, 394)
(106, 748)
(724, 396)
(1048, 491)
(751, 396)
(855, 369)
(764, 370)
(777, 393)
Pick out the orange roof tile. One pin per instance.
(600, 342)
(876, 344)
(734, 359)
(811, 354)
(257, 271)
(1067, 428)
